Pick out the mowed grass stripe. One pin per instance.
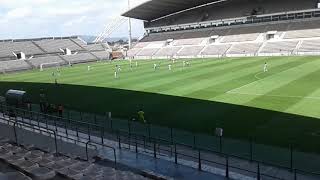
(260, 87)
(236, 79)
(206, 78)
(153, 77)
(277, 79)
(103, 73)
(174, 78)
(129, 77)
(302, 86)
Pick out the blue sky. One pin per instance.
(42, 18)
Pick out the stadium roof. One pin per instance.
(154, 9)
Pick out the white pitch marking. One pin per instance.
(259, 79)
(256, 75)
(281, 96)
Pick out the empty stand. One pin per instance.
(94, 47)
(193, 41)
(310, 46)
(240, 37)
(148, 52)
(102, 54)
(80, 58)
(168, 51)
(279, 47)
(141, 44)
(54, 45)
(245, 49)
(133, 52)
(216, 50)
(13, 65)
(43, 165)
(36, 62)
(308, 33)
(7, 48)
(190, 50)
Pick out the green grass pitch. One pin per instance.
(278, 107)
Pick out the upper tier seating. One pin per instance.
(54, 46)
(234, 9)
(27, 47)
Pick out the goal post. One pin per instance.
(49, 65)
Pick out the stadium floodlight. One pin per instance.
(30, 58)
(113, 26)
(129, 28)
(110, 28)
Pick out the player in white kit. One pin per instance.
(265, 67)
(169, 66)
(116, 75)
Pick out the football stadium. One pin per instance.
(215, 89)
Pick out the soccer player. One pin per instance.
(169, 66)
(115, 74)
(89, 68)
(141, 116)
(265, 67)
(173, 60)
(119, 68)
(154, 66)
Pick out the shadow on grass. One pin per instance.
(198, 116)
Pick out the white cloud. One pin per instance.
(23, 12)
(35, 18)
(75, 21)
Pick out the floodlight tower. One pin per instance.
(129, 27)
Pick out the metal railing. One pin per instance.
(156, 144)
(54, 133)
(104, 145)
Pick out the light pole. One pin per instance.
(129, 28)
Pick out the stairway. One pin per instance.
(43, 50)
(30, 64)
(61, 57)
(97, 58)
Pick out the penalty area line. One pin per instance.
(257, 79)
(275, 95)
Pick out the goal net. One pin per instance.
(49, 65)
